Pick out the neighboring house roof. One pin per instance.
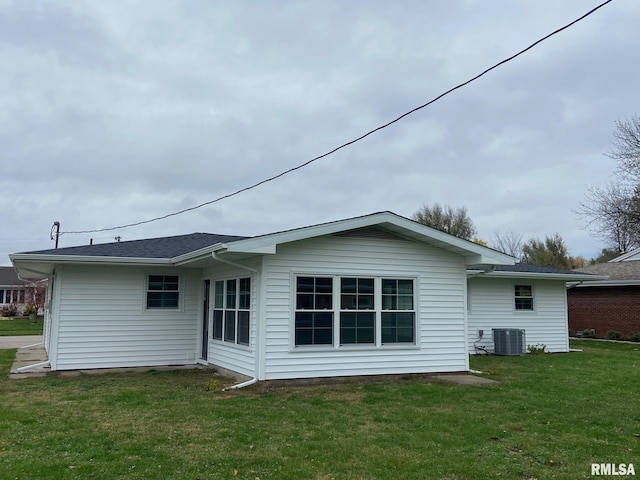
(185, 250)
(9, 277)
(524, 270)
(626, 257)
(619, 273)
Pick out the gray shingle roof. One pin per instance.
(616, 271)
(9, 277)
(164, 247)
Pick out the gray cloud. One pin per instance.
(111, 114)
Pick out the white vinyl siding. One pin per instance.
(103, 322)
(491, 305)
(439, 295)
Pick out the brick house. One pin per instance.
(612, 304)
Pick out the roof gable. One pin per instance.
(391, 223)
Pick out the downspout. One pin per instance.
(255, 378)
(35, 365)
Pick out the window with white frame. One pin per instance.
(523, 297)
(357, 311)
(365, 311)
(398, 313)
(314, 311)
(232, 310)
(163, 291)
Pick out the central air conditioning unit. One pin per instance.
(508, 341)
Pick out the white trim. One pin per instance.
(55, 318)
(625, 256)
(568, 277)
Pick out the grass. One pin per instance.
(20, 326)
(550, 416)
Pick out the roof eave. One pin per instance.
(197, 254)
(86, 259)
(568, 277)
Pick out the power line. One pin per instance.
(371, 132)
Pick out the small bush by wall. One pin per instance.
(613, 335)
(634, 336)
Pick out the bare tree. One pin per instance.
(612, 213)
(626, 147)
(508, 242)
(444, 218)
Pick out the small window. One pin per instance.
(524, 297)
(163, 291)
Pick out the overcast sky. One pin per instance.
(116, 112)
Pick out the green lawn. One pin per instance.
(551, 416)
(20, 326)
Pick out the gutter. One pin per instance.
(215, 256)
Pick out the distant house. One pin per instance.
(371, 295)
(13, 291)
(608, 304)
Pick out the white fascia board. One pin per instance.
(269, 249)
(87, 259)
(476, 254)
(470, 260)
(626, 256)
(533, 275)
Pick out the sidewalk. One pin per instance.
(7, 343)
(26, 356)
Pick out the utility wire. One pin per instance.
(381, 127)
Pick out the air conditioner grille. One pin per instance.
(508, 341)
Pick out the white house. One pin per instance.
(377, 294)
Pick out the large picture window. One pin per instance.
(163, 291)
(232, 311)
(364, 311)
